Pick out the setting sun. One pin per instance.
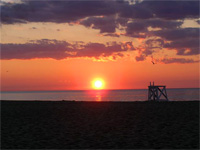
(98, 84)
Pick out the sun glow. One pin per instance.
(98, 84)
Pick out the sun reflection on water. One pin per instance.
(97, 95)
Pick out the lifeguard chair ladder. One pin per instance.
(156, 91)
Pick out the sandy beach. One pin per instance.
(95, 125)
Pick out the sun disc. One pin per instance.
(98, 84)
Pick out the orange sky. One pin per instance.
(77, 73)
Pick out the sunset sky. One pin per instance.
(66, 45)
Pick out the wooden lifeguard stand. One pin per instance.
(156, 92)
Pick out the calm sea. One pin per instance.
(101, 95)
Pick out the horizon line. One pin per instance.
(89, 90)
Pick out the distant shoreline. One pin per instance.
(146, 101)
(32, 91)
(100, 95)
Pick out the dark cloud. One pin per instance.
(139, 28)
(137, 11)
(149, 47)
(37, 49)
(68, 11)
(60, 49)
(117, 55)
(140, 57)
(163, 24)
(97, 49)
(184, 47)
(172, 9)
(154, 43)
(54, 11)
(179, 33)
(105, 24)
(184, 40)
(178, 60)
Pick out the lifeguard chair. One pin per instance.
(157, 93)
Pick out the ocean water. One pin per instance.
(101, 95)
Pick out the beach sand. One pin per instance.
(99, 125)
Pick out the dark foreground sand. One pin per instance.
(116, 125)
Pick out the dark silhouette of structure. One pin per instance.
(156, 92)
